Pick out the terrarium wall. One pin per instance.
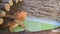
(43, 8)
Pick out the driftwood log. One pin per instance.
(20, 0)
(7, 1)
(2, 13)
(5, 6)
(15, 1)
